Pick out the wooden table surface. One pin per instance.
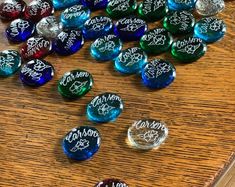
(199, 108)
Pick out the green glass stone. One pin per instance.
(75, 84)
(188, 49)
(156, 41)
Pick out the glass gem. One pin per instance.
(156, 41)
(95, 4)
(210, 29)
(68, 42)
(209, 7)
(130, 28)
(130, 61)
(158, 74)
(120, 8)
(10, 62)
(147, 134)
(20, 30)
(75, 84)
(188, 49)
(111, 183)
(36, 73)
(104, 108)
(179, 22)
(62, 4)
(12, 9)
(106, 48)
(181, 4)
(97, 26)
(81, 143)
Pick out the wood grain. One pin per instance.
(199, 109)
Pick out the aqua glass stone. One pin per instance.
(95, 4)
(210, 29)
(106, 48)
(20, 30)
(209, 7)
(96, 27)
(158, 74)
(104, 108)
(131, 60)
(181, 4)
(62, 4)
(130, 28)
(111, 183)
(10, 62)
(81, 143)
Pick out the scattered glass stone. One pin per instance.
(106, 48)
(95, 4)
(20, 30)
(179, 22)
(130, 29)
(104, 108)
(81, 143)
(210, 29)
(158, 74)
(156, 41)
(36, 73)
(209, 7)
(75, 84)
(111, 183)
(62, 4)
(181, 4)
(131, 60)
(10, 62)
(147, 134)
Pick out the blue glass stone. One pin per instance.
(68, 42)
(81, 143)
(158, 74)
(130, 28)
(131, 60)
(95, 4)
(96, 27)
(210, 29)
(20, 30)
(181, 4)
(62, 4)
(104, 108)
(36, 73)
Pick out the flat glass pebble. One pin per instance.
(10, 62)
(36, 73)
(210, 29)
(130, 28)
(20, 30)
(181, 4)
(97, 26)
(156, 41)
(75, 84)
(188, 49)
(106, 48)
(179, 22)
(104, 108)
(62, 4)
(158, 74)
(75, 16)
(209, 7)
(130, 61)
(120, 8)
(111, 183)
(81, 143)
(95, 4)
(147, 134)
(68, 42)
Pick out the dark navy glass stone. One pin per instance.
(95, 4)
(36, 73)
(158, 74)
(181, 4)
(62, 4)
(20, 30)
(81, 143)
(68, 42)
(130, 28)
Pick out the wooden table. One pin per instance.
(199, 109)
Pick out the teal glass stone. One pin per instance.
(62, 4)
(181, 4)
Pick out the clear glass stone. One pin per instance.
(209, 7)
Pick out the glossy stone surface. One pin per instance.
(210, 29)
(75, 84)
(130, 61)
(130, 28)
(111, 183)
(20, 30)
(181, 4)
(209, 7)
(179, 22)
(158, 74)
(10, 62)
(156, 41)
(68, 42)
(36, 73)
(62, 4)
(104, 108)
(106, 48)
(81, 143)
(95, 4)
(188, 49)
(147, 134)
